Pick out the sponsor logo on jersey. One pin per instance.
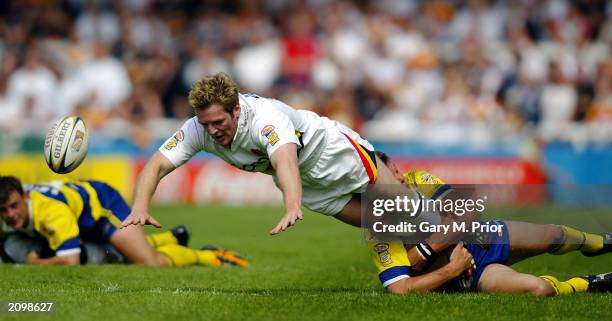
(171, 143)
(178, 137)
(382, 249)
(425, 178)
(267, 130)
(270, 134)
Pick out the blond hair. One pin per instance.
(215, 89)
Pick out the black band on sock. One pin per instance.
(583, 241)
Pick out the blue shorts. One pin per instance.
(102, 228)
(497, 250)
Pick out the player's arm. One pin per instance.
(175, 151)
(459, 261)
(58, 225)
(433, 187)
(70, 259)
(156, 168)
(285, 163)
(427, 251)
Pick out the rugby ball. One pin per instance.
(66, 144)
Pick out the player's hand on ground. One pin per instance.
(139, 218)
(460, 259)
(31, 257)
(288, 220)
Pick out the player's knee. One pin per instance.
(554, 235)
(541, 288)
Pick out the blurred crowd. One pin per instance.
(442, 72)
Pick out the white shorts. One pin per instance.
(345, 167)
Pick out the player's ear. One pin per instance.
(236, 111)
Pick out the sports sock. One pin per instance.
(571, 286)
(207, 257)
(574, 239)
(593, 243)
(160, 239)
(179, 255)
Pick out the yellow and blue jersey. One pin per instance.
(391, 260)
(65, 213)
(392, 263)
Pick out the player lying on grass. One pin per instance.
(315, 161)
(66, 214)
(485, 266)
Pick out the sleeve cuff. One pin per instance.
(70, 246)
(394, 274)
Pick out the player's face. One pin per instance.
(219, 124)
(14, 211)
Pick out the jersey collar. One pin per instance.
(243, 122)
(30, 226)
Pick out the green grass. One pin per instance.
(318, 270)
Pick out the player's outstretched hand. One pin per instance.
(288, 220)
(139, 218)
(460, 259)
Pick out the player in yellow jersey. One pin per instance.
(485, 266)
(67, 214)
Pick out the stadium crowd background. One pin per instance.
(478, 75)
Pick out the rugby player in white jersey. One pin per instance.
(316, 162)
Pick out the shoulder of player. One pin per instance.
(192, 132)
(265, 113)
(41, 201)
(192, 124)
(264, 123)
(46, 210)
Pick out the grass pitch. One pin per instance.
(318, 270)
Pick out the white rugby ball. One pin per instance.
(66, 144)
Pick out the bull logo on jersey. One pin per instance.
(382, 249)
(178, 137)
(270, 134)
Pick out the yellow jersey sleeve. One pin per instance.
(391, 260)
(427, 184)
(56, 222)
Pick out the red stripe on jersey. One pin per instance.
(365, 159)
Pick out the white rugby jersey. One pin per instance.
(263, 126)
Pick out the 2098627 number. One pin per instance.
(28, 306)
